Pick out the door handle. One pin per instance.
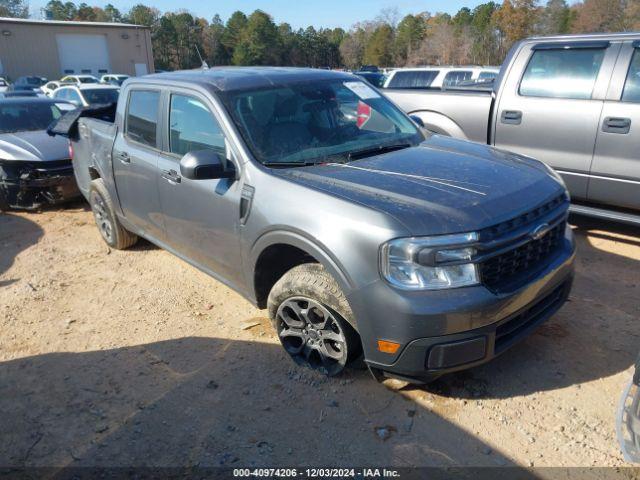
(171, 176)
(123, 157)
(616, 125)
(511, 117)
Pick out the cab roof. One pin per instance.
(225, 79)
(88, 86)
(6, 100)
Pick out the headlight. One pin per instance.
(430, 263)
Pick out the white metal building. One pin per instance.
(53, 49)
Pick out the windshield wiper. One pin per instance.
(370, 152)
(289, 164)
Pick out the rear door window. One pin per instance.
(631, 92)
(413, 79)
(454, 78)
(562, 73)
(142, 117)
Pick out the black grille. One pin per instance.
(504, 268)
(504, 228)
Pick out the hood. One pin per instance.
(441, 186)
(33, 146)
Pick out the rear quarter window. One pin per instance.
(413, 79)
(487, 75)
(562, 73)
(454, 78)
(141, 121)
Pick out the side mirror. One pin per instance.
(205, 165)
(417, 120)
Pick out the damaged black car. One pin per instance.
(35, 168)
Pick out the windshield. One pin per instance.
(22, 117)
(100, 95)
(34, 81)
(88, 80)
(317, 121)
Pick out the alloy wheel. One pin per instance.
(103, 219)
(312, 334)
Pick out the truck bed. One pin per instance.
(456, 113)
(91, 132)
(92, 150)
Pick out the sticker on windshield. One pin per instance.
(362, 90)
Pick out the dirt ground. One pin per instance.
(134, 358)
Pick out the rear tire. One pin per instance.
(313, 319)
(112, 231)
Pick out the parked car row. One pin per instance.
(35, 168)
(41, 85)
(433, 77)
(85, 94)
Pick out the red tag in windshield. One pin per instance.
(364, 113)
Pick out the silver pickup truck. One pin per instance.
(570, 101)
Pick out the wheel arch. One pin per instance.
(439, 123)
(269, 261)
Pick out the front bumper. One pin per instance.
(449, 330)
(30, 185)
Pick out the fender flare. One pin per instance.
(439, 123)
(303, 241)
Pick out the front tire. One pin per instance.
(112, 231)
(313, 319)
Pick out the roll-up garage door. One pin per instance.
(83, 54)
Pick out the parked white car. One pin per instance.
(50, 87)
(114, 79)
(438, 77)
(79, 79)
(87, 94)
(4, 85)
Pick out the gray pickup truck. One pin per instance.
(572, 102)
(314, 196)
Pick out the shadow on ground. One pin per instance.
(211, 402)
(16, 234)
(593, 336)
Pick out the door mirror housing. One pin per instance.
(417, 120)
(205, 165)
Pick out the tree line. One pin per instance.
(481, 35)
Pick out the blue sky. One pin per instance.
(299, 13)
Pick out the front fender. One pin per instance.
(299, 239)
(440, 124)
